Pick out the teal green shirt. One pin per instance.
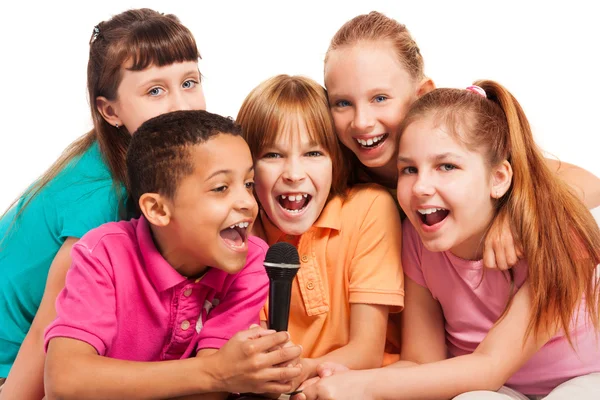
(81, 197)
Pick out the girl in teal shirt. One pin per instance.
(141, 64)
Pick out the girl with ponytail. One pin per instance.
(467, 158)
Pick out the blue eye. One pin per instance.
(189, 84)
(342, 103)
(408, 170)
(447, 167)
(155, 91)
(314, 153)
(380, 99)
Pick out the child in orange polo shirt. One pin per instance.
(349, 240)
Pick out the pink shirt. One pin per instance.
(124, 299)
(472, 301)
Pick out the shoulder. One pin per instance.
(369, 202)
(108, 237)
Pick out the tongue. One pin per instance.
(232, 237)
(434, 218)
(293, 205)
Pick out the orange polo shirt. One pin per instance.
(350, 255)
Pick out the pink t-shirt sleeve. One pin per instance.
(85, 308)
(240, 306)
(411, 253)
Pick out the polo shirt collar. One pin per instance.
(162, 274)
(330, 218)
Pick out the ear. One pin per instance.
(155, 208)
(501, 179)
(425, 86)
(106, 108)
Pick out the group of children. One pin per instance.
(151, 230)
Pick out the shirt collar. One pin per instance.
(162, 274)
(330, 218)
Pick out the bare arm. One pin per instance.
(423, 333)
(585, 184)
(205, 396)
(26, 378)
(499, 356)
(245, 363)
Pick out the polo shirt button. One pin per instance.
(310, 285)
(185, 325)
(304, 258)
(187, 292)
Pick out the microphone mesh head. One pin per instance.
(282, 253)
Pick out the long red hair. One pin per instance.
(560, 238)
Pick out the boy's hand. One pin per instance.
(500, 250)
(351, 385)
(249, 361)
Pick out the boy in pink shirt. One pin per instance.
(179, 281)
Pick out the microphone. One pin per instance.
(282, 264)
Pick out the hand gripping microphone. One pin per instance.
(282, 264)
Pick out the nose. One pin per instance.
(423, 186)
(293, 170)
(363, 119)
(179, 101)
(246, 201)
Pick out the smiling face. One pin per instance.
(369, 94)
(154, 91)
(213, 208)
(445, 189)
(293, 178)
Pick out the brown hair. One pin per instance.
(142, 37)
(560, 238)
(159, 154)
(375, 26)
(270, 105)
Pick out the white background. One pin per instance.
(545, 53)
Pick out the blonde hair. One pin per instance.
(374, 27)
(269, 106)
(560, 238)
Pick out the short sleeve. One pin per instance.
(241, 305)
(376, 268)
(411, 253)
(86, 307)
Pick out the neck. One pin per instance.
(168, 246)
(472, 247)
(386, 175)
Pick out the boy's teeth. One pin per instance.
(430, 210)
(240, 225)
(293, 197)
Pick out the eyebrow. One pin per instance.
(225, 172)
(437, 158)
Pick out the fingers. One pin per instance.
(283, 355)
(308, 383)
(258, 340)
(489, 258)
(329, 368)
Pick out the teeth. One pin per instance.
(294, 197)
(370, 141)
(430, 210)
(240, 225)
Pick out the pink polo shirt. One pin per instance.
(472, 301)
(124, 299)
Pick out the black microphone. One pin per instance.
(282, 264)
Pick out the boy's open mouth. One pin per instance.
(432, 216)
(236, 235)
(294, 202)
(371, 143)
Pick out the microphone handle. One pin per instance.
(280, 292)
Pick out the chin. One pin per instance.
(437, 246)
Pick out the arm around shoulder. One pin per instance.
(26, 378)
